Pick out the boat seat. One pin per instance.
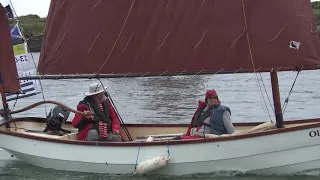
(40, 133)
(40, 130)
(71, 136)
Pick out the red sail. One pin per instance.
(8, 67)
(158, 36)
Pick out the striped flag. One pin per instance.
(28, 87)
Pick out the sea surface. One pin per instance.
(174, 100)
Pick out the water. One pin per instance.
(17, 170)
(174, 100)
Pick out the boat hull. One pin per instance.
(280, 153)
(6, 156)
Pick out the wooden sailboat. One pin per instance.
(23, 64)
(138, 38)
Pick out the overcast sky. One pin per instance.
(39, 7)
(25, 7)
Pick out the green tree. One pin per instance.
(315, 5)
(31, 24)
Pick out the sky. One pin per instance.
(39, 7)
(25, 7)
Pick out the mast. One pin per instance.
(276, 99)
(8, 70)
(4, 102)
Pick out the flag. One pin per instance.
(20, 53)
(28, 87)
(9, 11)
(15, 32)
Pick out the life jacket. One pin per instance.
(216, 118)
(101, 118)
(201, 116)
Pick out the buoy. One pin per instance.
(151, 165)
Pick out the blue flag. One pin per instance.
(9, 11)
(15, 32)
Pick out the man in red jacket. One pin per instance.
(104, 125)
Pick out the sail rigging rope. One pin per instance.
(15, 102)
(266, 93)
(124, 127)
(34, 63)
(118, 114)
(267, 97)
(135, 167)
(285, 103)
(14, 105)
(114, 45)
(168, 150)
(251, 56)
(136, 164)
(261, 94)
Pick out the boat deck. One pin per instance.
(137, 132)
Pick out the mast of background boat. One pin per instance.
(4, 100)
(276, 99)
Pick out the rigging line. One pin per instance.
(285, 103)
(249, 46)
(34, 63)
(264, 98)
(42, 92)
(15, 102)
(266, 92)
(114, 45)
(118, 114)
(135, 166)
(247, 35)
(14, 105)
(261, 101)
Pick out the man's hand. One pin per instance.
(87, 116)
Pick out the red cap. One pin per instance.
(211, 92)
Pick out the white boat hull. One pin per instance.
(281, 153)
(6, 156)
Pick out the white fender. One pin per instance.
(151, 164)
(149, 139)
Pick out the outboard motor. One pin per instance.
(56, 118)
